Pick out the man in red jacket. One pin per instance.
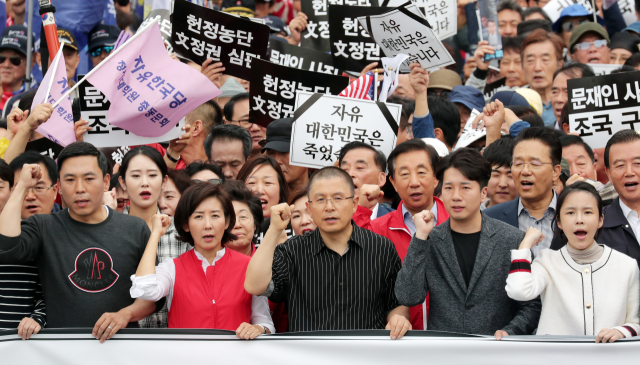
(412, 166)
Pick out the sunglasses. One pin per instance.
(15, 60)
(586, 45)
(211, 181)
(568, 26)
(98, 51)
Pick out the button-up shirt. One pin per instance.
(324, 290)
(544, 224)
(632, 217)
(408, 218)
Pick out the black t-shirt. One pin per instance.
(466, 246)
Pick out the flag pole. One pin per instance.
(113, 53)
(56, 61)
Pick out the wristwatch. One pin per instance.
(171, 158)
(264, 329)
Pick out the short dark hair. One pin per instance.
(199, 165)
(412, 145)
(189, 202)
(571, 140)
(33, 157)
(6, 173)
(533, 119)
(539, 36)
(328, 173)
(258, 160)
(575, 70)
(115, 182)
(509, 5)
(512, 44)
(570, 189)
(230, 105)
(499, 152)
(208, 112)
(229, 132)
(623, 136)
(634, 60)
(470, 164)
(408, 107)
(150, 152)
(546, 137)
(446, 116)
(77, 149)
(535, 9)
(378, 157)
(180, 180)
(26, 100)
(239, 192)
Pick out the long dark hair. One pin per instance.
(259, 160)
(574, 188)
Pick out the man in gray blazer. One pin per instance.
(463, 263)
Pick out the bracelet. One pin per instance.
(264, 329)
(171, 158)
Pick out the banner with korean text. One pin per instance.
(441, 14)
(600, 106)
(324, 124)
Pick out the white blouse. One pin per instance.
(156, 286)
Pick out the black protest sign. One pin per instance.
(285, 54)
(273, 89)
(316, 35)
(199, 33)
(494, 87)
(45, 147)
(351, 46)
(600, 106)
(163, 16)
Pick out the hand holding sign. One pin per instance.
(296, 26)
(419, 78)
(212, 71)
(483, 49)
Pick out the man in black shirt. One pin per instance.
(338, 277)
(463, 263)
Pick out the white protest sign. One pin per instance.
(441, 14)
(555, 7)
(469, 134)
(323, 124)
(603, 69)
(628, 10)
(405, 30)
(391, 68)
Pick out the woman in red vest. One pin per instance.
(205, 285)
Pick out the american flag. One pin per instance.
(362, 88)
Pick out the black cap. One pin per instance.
(66, 36)
(279, 135)
(626, 41)
(103, 35)
(528, 26)
(15, 38)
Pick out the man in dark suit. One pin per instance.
(366, 166)
(463, 263)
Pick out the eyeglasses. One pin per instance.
(15, 60)
(244, 123)
(337, 201)
(210, 181)
(40, 190)
(568, 26)
(533, 165)
(98, 51)
(586, 45)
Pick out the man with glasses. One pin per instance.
(102, 38)
(13, 62)
(535, 166)
(569, 19)
(338, 277)
(590, 44)
(42, 198)
(236, 111)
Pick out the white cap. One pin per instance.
(440, 147)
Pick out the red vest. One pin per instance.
(215, 300)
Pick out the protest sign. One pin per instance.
(489, 29)
(274, 88)
(163, 17)
(60, 127)
(405, 30)
(555, 7)
(494, 87)
(351, 46)
(323, 124)
(442, 15)
(45, 147)
(94, 107)
(628, 10)
(285, 54)
(603, 69)
(199, 33)
(599, 106)
(469, 134)
(316, 35)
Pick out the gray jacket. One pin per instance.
(432, 267)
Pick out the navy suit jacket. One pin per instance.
(383, 209)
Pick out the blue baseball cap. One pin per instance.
(633, 28)
(574, 10)
(510, 98)
(468, 96)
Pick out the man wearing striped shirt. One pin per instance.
(338, 277)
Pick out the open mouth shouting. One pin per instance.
(580, 233)
(32, 208)
(146, 195)
(416, 196)
(306, 230)
(264, 203)
(526, 185)
(81, 203)
(208, 238)
(631, 186)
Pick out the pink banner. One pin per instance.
(59, 128)
(149, 91)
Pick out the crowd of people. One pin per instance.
(528, 230)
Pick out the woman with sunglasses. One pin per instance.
(204, 287)
(205, 171)
(143, 176)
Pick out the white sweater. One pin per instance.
(578, 299)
